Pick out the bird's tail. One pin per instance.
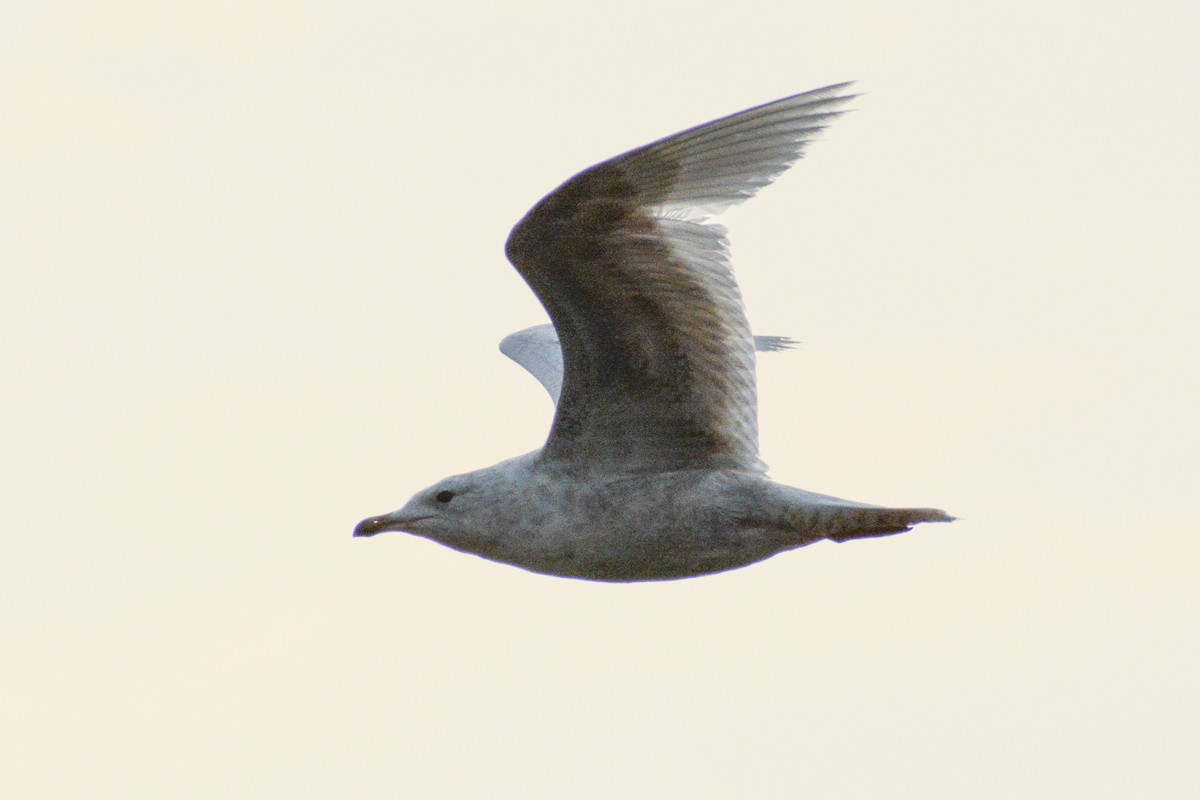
(865, 523)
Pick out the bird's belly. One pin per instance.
(646, 554)
(640, 528)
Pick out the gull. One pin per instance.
(651, 470)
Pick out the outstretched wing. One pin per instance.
(537, 350)
(658, 355)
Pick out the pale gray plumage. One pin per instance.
(651, 469)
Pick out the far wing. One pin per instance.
(537, 350)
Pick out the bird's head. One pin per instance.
(466, 512)
(433, 512)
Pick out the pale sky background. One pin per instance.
(254, 284)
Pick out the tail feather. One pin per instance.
(866, 523)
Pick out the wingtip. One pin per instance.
(774, 344)
(834, 91)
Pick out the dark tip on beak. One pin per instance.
(370, 526)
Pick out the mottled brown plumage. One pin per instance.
(658, 354)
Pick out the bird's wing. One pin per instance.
(536, 349)
(658, 355)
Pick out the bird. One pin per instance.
(651, 469)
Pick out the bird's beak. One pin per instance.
(371, 526)
(395, 521)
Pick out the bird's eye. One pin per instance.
(444, 496)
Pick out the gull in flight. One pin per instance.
(651, 469)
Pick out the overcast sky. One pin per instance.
(254, 283)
